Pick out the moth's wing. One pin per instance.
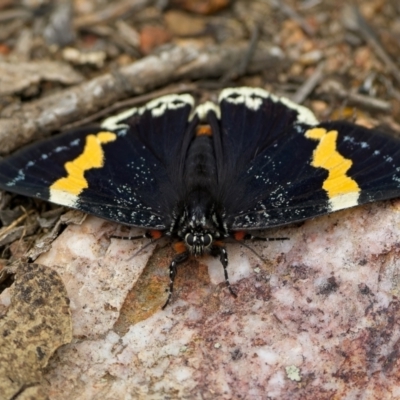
(272, 173)
(127, 170)
(251, 120)
(278, 187)
(375, 158)
(263, 160)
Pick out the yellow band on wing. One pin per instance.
(92, 157)
(342, 190)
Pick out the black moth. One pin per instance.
(204, 174)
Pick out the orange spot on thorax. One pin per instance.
(204, 130)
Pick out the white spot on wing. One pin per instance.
(304, 116)
(344, 201)
(248, 96)
(62, 198)
(157, 107)
(114, 123)
(75, 142)
(203, 109)
(251, 97)
(171, 102)
(19, 177)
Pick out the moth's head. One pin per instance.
(198, 227)
(198, 242)
(198, 235)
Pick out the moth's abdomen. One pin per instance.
(200, 166)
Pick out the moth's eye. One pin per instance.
(207, 239)
(190, 239)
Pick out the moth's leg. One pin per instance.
(181, 256)
(154, 235)
(218, 250)
(240, 235)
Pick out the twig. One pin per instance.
(4, 231)
(369, 36)
(18, 13)
(113, 11)
(11, 232)
(361, 100)
(293, 14)
(39, 118)
(308, 86)
(241, 69)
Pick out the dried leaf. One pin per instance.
(15, 77)
(36, 324)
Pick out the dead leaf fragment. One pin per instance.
(4, 49)
(78, 57)
(183, 24)
(202, 6)
(15, 77)
(37, 323)
(152, 37)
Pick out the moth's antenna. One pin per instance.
(146, 236)
(257, 238)
(144, 247)
(249, 248)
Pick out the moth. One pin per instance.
(205, 174)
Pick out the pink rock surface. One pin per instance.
(319, 319)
